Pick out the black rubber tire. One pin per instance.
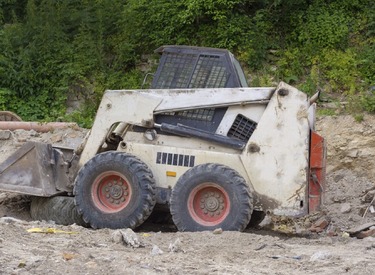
(228, 182)
(256, 218)
(60, 209)
(133, 173)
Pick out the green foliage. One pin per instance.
(368, 103)
(50, 50)
(290, 65)
(340, 70)
(325, 112)
(358, 117)
(366, 63)
(84, 117)
(324, 26)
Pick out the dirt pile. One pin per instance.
(10, 141)
(350, 169)
(351, 144)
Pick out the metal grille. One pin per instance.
(176, 71)
(197, 114)
(192, 71)
(242, 128)
(210, 72)
(175, 159)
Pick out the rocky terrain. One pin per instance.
(326, 242)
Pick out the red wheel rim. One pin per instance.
(208, 204)
(111, 192)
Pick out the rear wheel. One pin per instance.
(210, 196)
(115, 190)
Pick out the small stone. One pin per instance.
(56, 138)
(33, 133)
(345, 208)
(5, 134)
(307, 223)
(218, 231)
(91, 265)
(322, 222)
(320, 256)
(352, 153)
(320, 225)
(345, 235)
(176, 246)
(156, 250)
(117, 237)
(130, 238)
(127, 236)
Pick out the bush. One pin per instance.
(325, 26)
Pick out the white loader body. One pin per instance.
(274, 161)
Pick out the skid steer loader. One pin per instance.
(199, 141)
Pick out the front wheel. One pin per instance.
(60, 209)
(115, 190)
(210, 196)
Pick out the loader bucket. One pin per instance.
(32, 170)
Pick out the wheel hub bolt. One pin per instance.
(212, 204)
(116, 192)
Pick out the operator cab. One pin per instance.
(197, 67)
